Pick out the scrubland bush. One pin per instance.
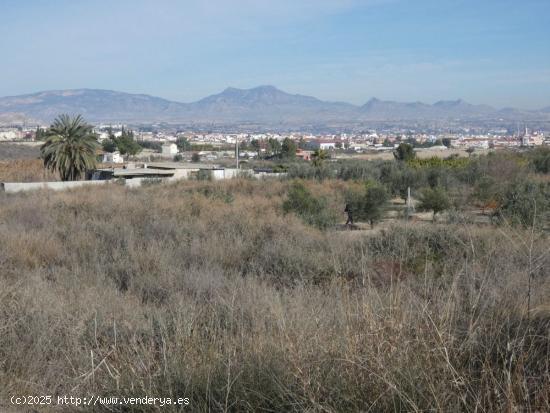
(152, 145)
(204, 175)
(526, 203)
(25, 170)
(434, 199)
(14, 151)
(313, 210)
(369, 204)
(363, 170)
(437, 162)
(208, 290)
(540, 159)
(404, 152)
(302, 170)
(486, 192)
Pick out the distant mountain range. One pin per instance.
(265, 105)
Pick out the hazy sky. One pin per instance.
(485, 51)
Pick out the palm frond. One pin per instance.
(70, 147)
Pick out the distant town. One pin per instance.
(170, 142)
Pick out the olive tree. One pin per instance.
(368, 205)
(434, 199)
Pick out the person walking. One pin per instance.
(348, 211)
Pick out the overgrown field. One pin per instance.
(10, 150)
(21, 163)
(211, 291)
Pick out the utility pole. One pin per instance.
(408, 203)
(237, 150)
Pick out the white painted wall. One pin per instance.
(11, 187)
(114, 157)
(217, 174)
(169, 149)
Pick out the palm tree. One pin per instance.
(319, 156)
(70, 147)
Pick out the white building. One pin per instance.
(114, 157)
(169, 149)
(102, 136)
(324, 145)
(327, 145)
(534, 139)
(9, 135)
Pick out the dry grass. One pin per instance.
(207, 291)
(12, 151)
(25, 170)
(421, 153)
(31, 170)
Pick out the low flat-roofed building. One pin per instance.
(180, 165)
(129, 173)
(169, 149)
(305, 155)
(114, 157)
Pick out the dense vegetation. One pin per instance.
(126, 143)
(243, 295)
(507, 185)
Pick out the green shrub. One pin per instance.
(280, 168)
(204, 175)
(397, 177)
(434, 199)
(436, 162)
(303, 170)
(486, 192)
(109, 145)
(526, 203)
(404, 152)
(541, 160)
(354, 169)
(312, 210)
(152, 145)
(368, 205)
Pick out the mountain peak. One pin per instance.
(261, 88)
(373, 102)
(265, 95)
(263, 104)
(267, 88)
(450, 103)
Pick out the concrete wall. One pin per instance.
(134, 182)
(230, 173)
(265, 175)
(11, 187)
(217, 174)
(183, 173)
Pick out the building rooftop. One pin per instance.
(180, 165)
(140, 172)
